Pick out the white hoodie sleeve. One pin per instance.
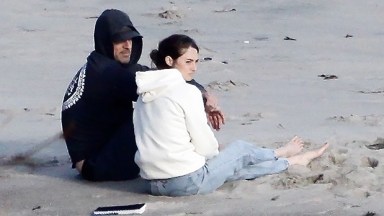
(202, 137)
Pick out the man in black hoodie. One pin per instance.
(97, 108)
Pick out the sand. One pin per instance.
(278, 68)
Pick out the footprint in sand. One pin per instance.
(338, 156)
(171, 14)
(247, 118)
(289, 181)
(370, 120)
(294, 181)
(225, 86)
(286, 181)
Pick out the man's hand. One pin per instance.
(215, 117)
(214, 114)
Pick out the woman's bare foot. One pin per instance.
(291, 148)
(305, 158)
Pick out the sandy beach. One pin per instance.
(279, 69)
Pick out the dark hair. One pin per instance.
(173, 46)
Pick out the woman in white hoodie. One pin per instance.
(177, 150)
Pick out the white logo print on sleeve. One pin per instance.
(75, 89)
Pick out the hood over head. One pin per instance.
(155, 83)
(114, 26)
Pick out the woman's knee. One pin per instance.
(241, 145)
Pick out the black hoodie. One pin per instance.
(99, 98)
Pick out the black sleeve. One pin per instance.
(200, 87)
(126, 84)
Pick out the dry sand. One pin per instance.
(279, 69)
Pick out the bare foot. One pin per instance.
(291, 148)
(305, 158)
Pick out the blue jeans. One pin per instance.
(239, 161)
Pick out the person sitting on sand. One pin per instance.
(177, 151)
(97, 107)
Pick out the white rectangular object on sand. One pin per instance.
(120, 210)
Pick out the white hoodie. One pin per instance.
(171, 129)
